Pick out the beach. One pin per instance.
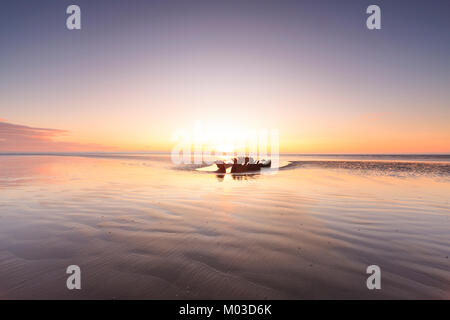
(140, 227)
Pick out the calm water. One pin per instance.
(140, 227)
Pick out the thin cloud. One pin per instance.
(20, 138)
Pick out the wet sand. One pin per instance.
(139, 227)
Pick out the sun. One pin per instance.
(225, 148)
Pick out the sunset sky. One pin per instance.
(140, 70)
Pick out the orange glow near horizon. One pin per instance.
(358, 136)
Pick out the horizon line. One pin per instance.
(169, 152)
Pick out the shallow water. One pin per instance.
(139, 227)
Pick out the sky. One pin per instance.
(138, 71)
